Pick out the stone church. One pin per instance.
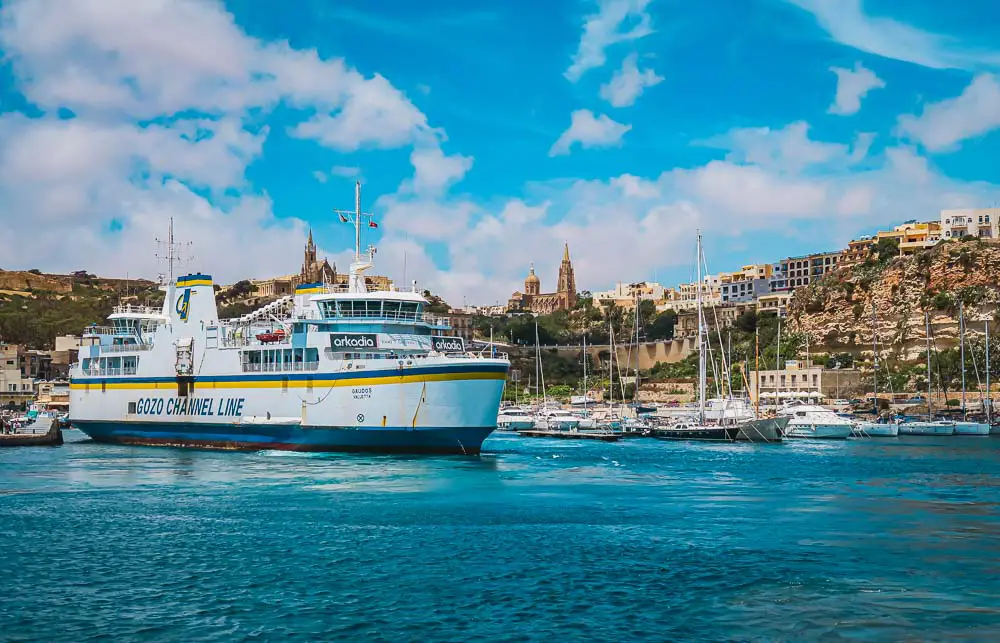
(314, 271)
(535, 301)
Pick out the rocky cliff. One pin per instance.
(890, 296)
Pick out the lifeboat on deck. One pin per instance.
(271, 337)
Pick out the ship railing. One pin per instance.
(135, 309)
(379, 317)
(91, 331)
(244, 341)
(276, 368)
(125, 348)
(131, 370)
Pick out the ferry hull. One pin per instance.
(425, 440)
(445, 408)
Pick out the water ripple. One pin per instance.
(536, 540)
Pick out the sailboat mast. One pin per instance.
(927, 322)
(585, 372)
(701, 339)
(541, 373)
(989, 397)
(635, 390)
(961, 342)
(611, 365)
(777, 364)
(874, 361)
(756, 375)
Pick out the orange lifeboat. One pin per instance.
(272, 337)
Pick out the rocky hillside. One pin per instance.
(837, 312)
(36, 307)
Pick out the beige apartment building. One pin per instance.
(799, 381)
(976, 222)
(14, 387)
(802, 271)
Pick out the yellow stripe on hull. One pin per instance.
(197, 282)
(297, 383)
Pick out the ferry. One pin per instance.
(327, 368)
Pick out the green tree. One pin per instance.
(662, 327)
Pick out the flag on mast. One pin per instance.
(343, 217)
(372, 224)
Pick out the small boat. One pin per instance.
(875, 430)
(271, 337)
(815, 422)
(927, 428)
(689, 430)
(972, 428)
(514, 418)
(42, 432)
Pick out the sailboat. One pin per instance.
(696, 428)
(965, 427)
(930, 427)
(875, 429)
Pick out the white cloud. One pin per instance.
(169, 98)
(615, 21)
(973, 113)
(589, 131)
(628, 83)
(320, 176)
(852, 86)
(847, 23)
(345, 171)
(434, 171)
(862, 143)
(149, 59)
(785, 149)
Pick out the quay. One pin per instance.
(604, 436)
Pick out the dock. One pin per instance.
(603, 436)
(41, 433)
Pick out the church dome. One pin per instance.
(532, 278)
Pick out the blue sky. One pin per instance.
(487, 133)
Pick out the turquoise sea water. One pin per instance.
(538, 540)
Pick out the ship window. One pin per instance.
(390, 309)
(351, 308)
(131, 407)
(374, 308)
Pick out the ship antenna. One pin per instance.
(357, 221)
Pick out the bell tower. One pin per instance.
(567, 282)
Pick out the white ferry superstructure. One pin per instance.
(326, 369)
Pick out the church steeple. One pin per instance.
(567, 281)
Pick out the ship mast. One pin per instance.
(360, 263)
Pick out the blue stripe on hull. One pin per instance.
(464, 440)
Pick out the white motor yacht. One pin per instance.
(812, 421)
(514, 418)
(549, 419)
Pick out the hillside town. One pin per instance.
(31, 373)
